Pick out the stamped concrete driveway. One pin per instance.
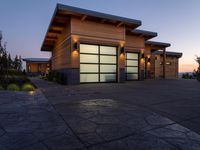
(147, 115)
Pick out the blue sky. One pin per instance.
(24, 23)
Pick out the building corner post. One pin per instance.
(164, 63)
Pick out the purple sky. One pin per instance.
(24, 23)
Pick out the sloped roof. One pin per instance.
(36, 59)
(64, 12)
(147, 34)
(154, 43)
(169, 53)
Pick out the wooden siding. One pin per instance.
(34, 67)
(171, 69)
(133, 41)
(97, 29)
(61, 55)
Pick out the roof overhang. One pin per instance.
(157, 45)
(146, 34)
(170, 53)
(62, 16)
(36, 60)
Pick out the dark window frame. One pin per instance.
(99, 64)
(138, 66)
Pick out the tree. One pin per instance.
(198, 69)
(3, 55)
(9, 62)
(15, 63)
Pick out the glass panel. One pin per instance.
(108, 50)
(131, 56)
(84, 58)
(108, 59)
(132, 76)
(107, 77)
(107, 68)
(132, 69)
(132, 63)
(88, 68)
(89, 78)
(85, 48)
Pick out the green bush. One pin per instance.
(13, 87)
(28, 87)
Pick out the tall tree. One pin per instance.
(15, 63)
(9, 62)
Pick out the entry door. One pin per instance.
(98, 63)
(132, 66)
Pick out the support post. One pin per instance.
(164, 63)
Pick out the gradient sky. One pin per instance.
(25, 22)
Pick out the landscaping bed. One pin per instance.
(15, 81)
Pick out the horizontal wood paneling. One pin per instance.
(97, 29)
(61, 55)
(134, 41)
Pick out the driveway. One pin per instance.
(143, 115)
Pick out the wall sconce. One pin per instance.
(122, 50)
(76, 46)
(142, 56)
(149, 60)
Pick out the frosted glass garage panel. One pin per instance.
(85, 58)
(108, 59)
(85, 48)
(131, 56)
(90, 68)
(132, 76)
(131, 69)
(132, 62)
(108, 50)
(108, 68)
(89, 78)
(107, 77)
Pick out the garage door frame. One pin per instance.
(138, 66)
(100, 63)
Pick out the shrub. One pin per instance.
(13, 87)
(28, 87)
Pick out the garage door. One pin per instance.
(98, 63)
(132, 66)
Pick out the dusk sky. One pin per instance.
(25, 22)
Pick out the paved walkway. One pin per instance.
(101, 116)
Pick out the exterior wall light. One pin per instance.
(149, 60)
(142, 56)
(122, 50)
(76, 46)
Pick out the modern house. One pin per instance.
(37, 66)
(89, 46)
